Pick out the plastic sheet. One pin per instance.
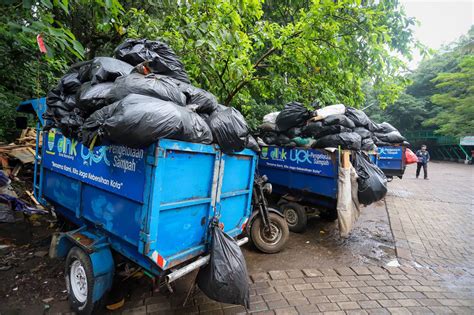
(225, 278)
(155, 85)
(229, 130)
(158, 57)
(138, 121)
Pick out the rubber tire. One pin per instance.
(260, 243)
(88, 307)
(302, 220)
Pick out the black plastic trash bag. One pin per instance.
(106, 69)
(54, 98)
(380, 143)
(283, 139)
(225, 278)
(359, 118)
(368, 144)
(385, 127)
(364, 133)
(294, 132)
(71, 123)
(318, 132)
(338, 120)
(139, 120)
(206, 101)
(391, 137)
(93, 97)
(155, 85)
(294, 114)
(84, 71)
(270, 137)
(312, 128)
(268, 126)
(158, 57)
(372, 181)
(252, 144)
(347, 140)
(229, 129)
(70, 83)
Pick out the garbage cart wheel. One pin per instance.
(272, 240)
(295, 215)
(80, 282)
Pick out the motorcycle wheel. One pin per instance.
(270, 240)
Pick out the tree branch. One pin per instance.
(256, 65)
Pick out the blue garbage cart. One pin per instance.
(151, 206)
(304, 182)
(391, 160)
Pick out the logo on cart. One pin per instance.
(278, 154)
(51, 138)
(264, 153)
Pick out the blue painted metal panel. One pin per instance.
(117, 215)
(115, 168)
(34, 106)
(391, 160)
(301, 171)
(235, 190)
(169, 193)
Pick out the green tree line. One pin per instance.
(252, 54)
(440, 96)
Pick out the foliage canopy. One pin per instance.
(251, 54)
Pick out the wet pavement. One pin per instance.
(424, 225)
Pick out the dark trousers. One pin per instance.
(425, 169)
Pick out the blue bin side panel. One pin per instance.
(306, 170)
(234, 202)
(391, 160)
(182, 201)
(115, 168)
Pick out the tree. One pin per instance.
(457, 100)
(248, 56)
(253, 55)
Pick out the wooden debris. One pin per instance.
(14, 155)
(32, 197)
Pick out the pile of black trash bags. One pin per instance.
(331, 126)
(139, 96)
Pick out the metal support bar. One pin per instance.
(195, 265)
(468, 158)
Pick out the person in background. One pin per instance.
(423, 159)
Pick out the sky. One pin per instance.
(441, 21)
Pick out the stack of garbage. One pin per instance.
(141, 95)
(331, 126)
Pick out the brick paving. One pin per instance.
(433, 221)
(432, 225)
(396, 290)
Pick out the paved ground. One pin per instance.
(430, 233)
